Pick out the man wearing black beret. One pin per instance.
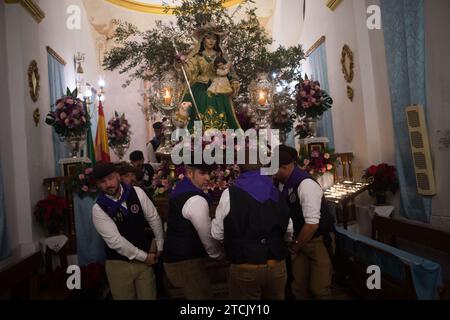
(120, 215)
(189, 238)
(312, 248)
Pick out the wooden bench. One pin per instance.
(390, 230)
(21, 277)
(351, 271)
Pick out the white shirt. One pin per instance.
(310, 196)
(108, 230)
(151, 153)
(222, 211)
(196, 210)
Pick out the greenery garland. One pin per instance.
(148, 54)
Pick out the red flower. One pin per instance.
(372, 170)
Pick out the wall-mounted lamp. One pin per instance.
(101, 92)
(88, 94)
(79, 73)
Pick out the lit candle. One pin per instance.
(262, 99)
(167, 98)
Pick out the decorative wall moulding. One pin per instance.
(32, 7)
(56, 56)
(350, 93)
(156, 8)
(348, 63)
(36, 116)
(34, 80)
(315, 46)
(333, 4)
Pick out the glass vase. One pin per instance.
(120, 150)
(311, 125)
(74, 142)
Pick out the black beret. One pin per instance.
(136, 155)
(126, 168)
(103, 169)
(287, 155)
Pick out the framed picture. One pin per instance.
(316, 147)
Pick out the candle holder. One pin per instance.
(261, 92)
(165, 95)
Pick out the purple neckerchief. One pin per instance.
(260, 187)
(111, 205)
(296, 176)
(186, 185)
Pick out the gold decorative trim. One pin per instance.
(32, 8)
(333, 4)
(56, 56)
(36, 116)
(34, 80)
(315, 46)
(347, 54)
(350, 93)
(156, 8)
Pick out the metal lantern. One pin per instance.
(261, 91)
(166, 95)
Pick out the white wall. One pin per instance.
(27, 148)
(363, 126)
(287, 23)
(437, 25)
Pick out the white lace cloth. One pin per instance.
(383, 211)
(365, 214)
(55, 243)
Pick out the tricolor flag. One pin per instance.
(101, 139)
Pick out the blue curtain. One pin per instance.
(404, 34)
(319, 69)
(57, 90)
(90, 245)
(4, 247)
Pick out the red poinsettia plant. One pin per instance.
(383, 178)
(51, 213)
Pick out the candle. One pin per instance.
(167, 98)
(262, 99)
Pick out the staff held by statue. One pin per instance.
(187, 81)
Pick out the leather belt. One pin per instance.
(270, 263)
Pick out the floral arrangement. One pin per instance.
(118, 130)
(383, 178)
(83, 183)
(220, 179)
(317, 162)
(51, 213)
(69, 117)
(312, 101)
(163, 181)
(283, 116)
(301, 130)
